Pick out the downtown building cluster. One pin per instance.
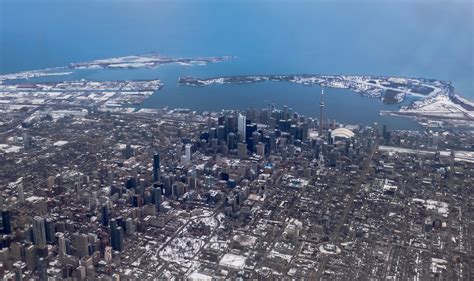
(265, 193)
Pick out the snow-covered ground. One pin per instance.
(181, 249)
(440, 111)
(10, 148)
(144, 61)
(439, 105)
(196, 276)
(372, 86)
(441, 208)
(233, 261)
(31, 74)
(461, 156)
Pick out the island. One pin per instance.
(126, 62)
(434, 104)
(144, 61)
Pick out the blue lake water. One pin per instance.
(432, 39)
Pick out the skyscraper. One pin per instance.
(81, 244)
(21, 193)
(116, 234)
(26, 141)
(249, 130)
(156, 197)
(187, 150)
(128, 152)
(50, 231)
(104, 215)
(242, 150)
(6, 222)
(61, 244)
(241, 126)
(39, 231)
(321, 106)
(156, 167)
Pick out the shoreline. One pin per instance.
(434, 100)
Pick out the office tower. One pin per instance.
(104, 214)
(204, 136)
(61, 245)
(30, 257)
(260, 149)
(42, 267)
(231, 124)
(141, 187)
(21, 193)
(26, 141)
(81, 244)
(6, 222)
(156, 167)
(184, 160)
(321, 106)
(213, 133)
(291, 151)
(285, 112)
(50, 231)
(178, 188)
(110, 176)
(241, 126)
(303, 131)
(116, 235)
(221, 133)
(39, 231)
(167, 182)
(108, 254)
(249, 130)
(333, 158)
(329, 137)
(16, 250)
(113, 225)
(156, 198)
(136, 200)
(50, 182)
(256, 137)
(129, 226)
(270, 109)
(187, 148)
(128, 153)
(232, 141)
(242, 150)
(18, 269)
(131, 182)
(284, 125)
(317, 150)
(272, 141)
(221, 120)
(434, 139)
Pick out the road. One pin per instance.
(335, 235)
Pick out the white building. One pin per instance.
(241, 126)
(186, 158)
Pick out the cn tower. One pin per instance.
(321, 106)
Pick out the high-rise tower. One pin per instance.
(241, 126)
(6, 222)
(321, 106)
(156, 167)
(39, 231)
